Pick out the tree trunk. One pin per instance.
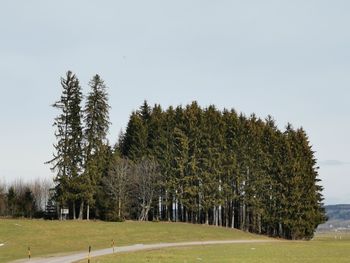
(74, 215)
(119, 208)
(243, 217)
(176, 210)
(247, 220)
(233, 215)
(168, 212)
(88, 212)
(228, 214)
(160, 208)
(182, 212)
(167, 216)
(280, 230)
(58, 211)
(146, 213)
(81, 209)
(215, 216)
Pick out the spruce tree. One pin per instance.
(11, 201)
(210, 161)
(136, 142)
(270, 164)
(193, 121)
(165, 156)
(179, 179)
(67, 161)
(96, 118)
(229, 167)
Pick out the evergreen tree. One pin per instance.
(135, 142)
(27, 203)
(193, 121)
(2, 200)
(67, 161)
(179, 180)
(11, 201)
(164, 152)
(271, 166)
(131, 138)
(210, 161)
(96, 118)
(229, 168)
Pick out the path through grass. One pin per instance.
(50, 237)
(323, 249)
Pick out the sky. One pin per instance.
(289, 59)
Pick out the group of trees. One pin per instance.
(129, 189)
(24, 199)
(187, 164)
(81, 147)
(226, 169)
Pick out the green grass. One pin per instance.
(324, 248)
(50, 237)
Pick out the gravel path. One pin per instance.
(132, 248)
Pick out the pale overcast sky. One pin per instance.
(290, 59)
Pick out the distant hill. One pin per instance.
(338, 212)
(338, 218)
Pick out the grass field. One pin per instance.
(50, 237)
(324, 248)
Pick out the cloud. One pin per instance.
(333, 163)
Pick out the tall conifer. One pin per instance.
(67, 161)
(96, 117)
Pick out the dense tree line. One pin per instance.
(226, 169)
(185, 164)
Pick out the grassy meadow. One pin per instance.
(322, 249)
(60, 237)
(51, 237)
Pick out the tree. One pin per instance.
(163, 150)
(271, 141)
(11, 201)
(193, 129)
(96, 118)
(67, 161)
(27, 202)
(145, 185)
(40, 189)
(137, 138)
(178, 181)
(2, 199)
(210, 163)
(116, 185)
(229, 168)
(304, 200)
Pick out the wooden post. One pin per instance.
(89, 254)
(113, 243)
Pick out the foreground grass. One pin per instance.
(324, 248)
(50, 237)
